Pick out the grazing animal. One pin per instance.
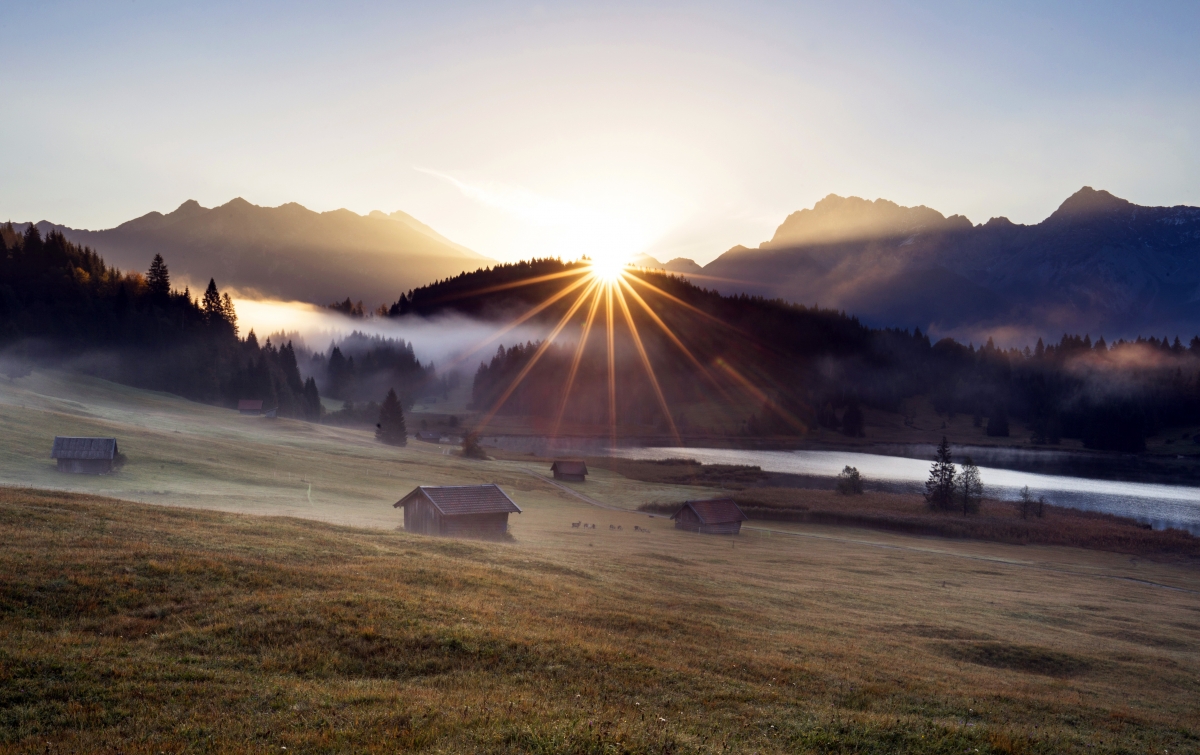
(618, 526)
(575, 524)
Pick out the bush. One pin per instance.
(849, 482)
(471, 448)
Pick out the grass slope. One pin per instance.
(137, 628)
(164, 628)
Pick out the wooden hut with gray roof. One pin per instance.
(571, 470)
(84, 455)
(458, 510)
(719, 516)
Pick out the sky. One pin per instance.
(554, 129)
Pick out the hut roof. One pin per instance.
(83, 448)
(460, 500)
(250, 405)
(715, 511)
(569, 466)
(428, 435)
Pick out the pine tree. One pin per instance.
(970, 487)
(312, 401)
(228, 313)
(390, 428)
(939, 488)
(214, 308)
(158, 280)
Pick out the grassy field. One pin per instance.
(198, 624)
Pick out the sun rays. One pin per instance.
(606, 289)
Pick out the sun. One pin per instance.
(609, 268)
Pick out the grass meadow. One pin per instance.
(207, 599)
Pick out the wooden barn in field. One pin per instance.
(429, 436)
(84, 455)
(250, 406)
(571, 470)
(458, 510)
(719, 516)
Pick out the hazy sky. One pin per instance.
(523, 129)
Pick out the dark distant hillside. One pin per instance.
(769, 368)
(288, 252)
(1099, 264)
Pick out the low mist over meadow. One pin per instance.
(578, 378)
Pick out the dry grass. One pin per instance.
(135, 628)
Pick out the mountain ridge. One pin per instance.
(287, 252)
(1098, 263)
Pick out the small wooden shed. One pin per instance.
(571, 470)
(719, 516)
(429, 436)
(250, 406)
(84, 455)
(458, 510)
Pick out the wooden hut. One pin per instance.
(429, 436)
(571, 470)
(84, 455)
(458, 510)
(719, 516)
(250, 406)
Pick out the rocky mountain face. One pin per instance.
(287, 252)
(1098, 265)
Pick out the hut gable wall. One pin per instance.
(422, 517)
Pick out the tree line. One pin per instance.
(809, 367)
(61, 304)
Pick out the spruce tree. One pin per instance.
(390, 428)
(214, 308)
(312, 401)
(228, 313)
(939, 488)
(158, 280)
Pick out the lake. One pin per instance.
(1160, 506)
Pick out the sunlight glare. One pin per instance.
(609, 268)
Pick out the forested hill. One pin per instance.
(62, 304)
(1099, 263)
(783, 368)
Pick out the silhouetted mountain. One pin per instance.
(288, 252)
(677, 265)
(1098, 264)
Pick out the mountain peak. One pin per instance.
(1089, 202)
(837, 219)
(189, 209)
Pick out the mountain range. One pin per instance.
(1098, 264)
(286, 252)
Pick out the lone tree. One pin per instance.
(1027, 506)
(470, 446)
(391, 429)
(939, 488)
(970, 487)
(158, 281)
(849, 482)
